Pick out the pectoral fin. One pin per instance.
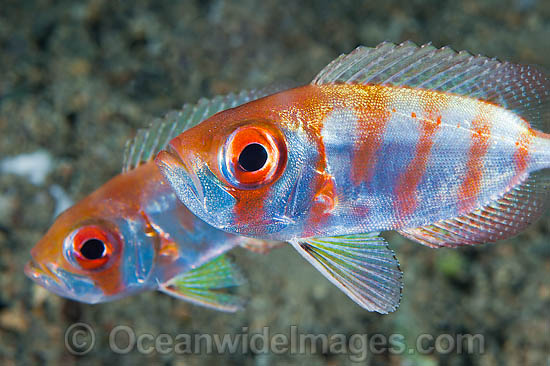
(360, 265)
(204, 285)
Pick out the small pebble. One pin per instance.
(14, 319)
(34, 166)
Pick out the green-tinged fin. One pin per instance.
(500, 219)
(360, 265)
(205, 285)
(523, 89)
(149, 141)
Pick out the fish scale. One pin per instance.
(445, 147)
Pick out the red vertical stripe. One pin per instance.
(372, 120)
(407, 184)
(471, 185)
(521, 155)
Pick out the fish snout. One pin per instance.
(174, 165)
(42, 275)
(32, 270)
(169, 159)
(63, 283)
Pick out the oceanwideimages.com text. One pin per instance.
(80, 339)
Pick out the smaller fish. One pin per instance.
(133, 235)
(447, 148)
(130, 236)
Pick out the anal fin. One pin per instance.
(360, 265)
(500, 219)
(204, 285)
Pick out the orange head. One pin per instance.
(250, 170)
(97, 250)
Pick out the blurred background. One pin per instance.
(79, 77)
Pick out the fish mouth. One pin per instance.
(171, 156)
(179, 174)
(37, 271)
(45, 277)
(171, 164)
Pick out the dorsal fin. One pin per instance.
(150, 140)
(500, 219)
(523, 89)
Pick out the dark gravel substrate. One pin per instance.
(78, 78)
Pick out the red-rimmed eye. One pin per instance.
(253, 156)
(92, 247)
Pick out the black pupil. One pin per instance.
(93, 249)
(253, 157)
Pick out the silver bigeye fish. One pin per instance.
(447, 148)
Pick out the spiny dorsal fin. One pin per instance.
(500, 219)
(202, 285)
(149, 141)
(523, 89)
(360, 265)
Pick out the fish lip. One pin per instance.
(175, 157)
(44, 274)
(45, 277)
(33, 270)
(171, 157)
(30, 270)
(40, 273)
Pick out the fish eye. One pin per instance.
(91, 247)
(253, 156)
